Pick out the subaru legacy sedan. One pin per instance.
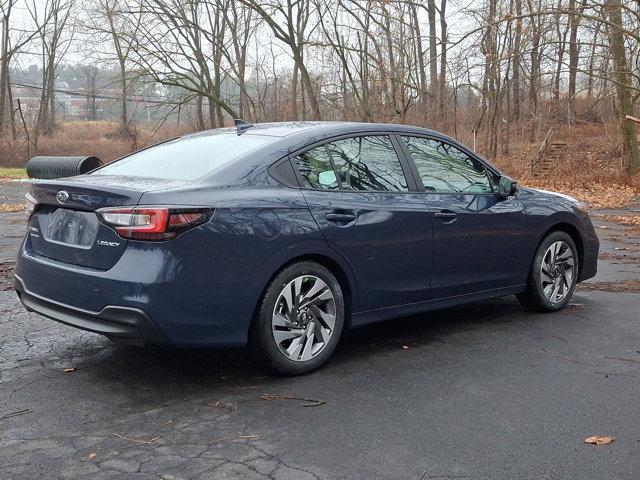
(284, 235)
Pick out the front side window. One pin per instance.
(186, 158)
(367, 163)
(447, 169)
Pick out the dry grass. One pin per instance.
(11, 173)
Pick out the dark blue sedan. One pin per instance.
(284, 235)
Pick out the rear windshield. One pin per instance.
(186, 158)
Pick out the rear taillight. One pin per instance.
(153, 223)
(31, 205)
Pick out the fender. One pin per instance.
(317, 248)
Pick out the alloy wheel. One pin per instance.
(557, 271)
(304, 318)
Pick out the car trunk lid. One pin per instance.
(65, 226)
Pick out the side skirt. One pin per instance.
(380, 314)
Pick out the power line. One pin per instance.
(98, 96)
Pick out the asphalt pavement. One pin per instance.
(484, 391)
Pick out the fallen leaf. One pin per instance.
(12, 207)
(70, 370)
(599, 440)
(629, 220)
(631, 285)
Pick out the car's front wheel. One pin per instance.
(300, 319)
(553, 275)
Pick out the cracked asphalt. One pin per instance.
(486, 391)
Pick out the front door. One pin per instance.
(479, 238)
(358, 193)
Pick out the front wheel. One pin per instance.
(300, 319)
(553, 275)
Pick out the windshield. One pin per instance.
(186, 158)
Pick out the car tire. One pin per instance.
(300, 319)
(548, 289)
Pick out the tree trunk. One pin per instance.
(562, 43)
(422, 73)
(307, 84)
(534, 81)
(51, 119)
(517, 47)
(592, 60)
(574, 51)
(124, 116)
(12, 117)
(4, 72)
(623, 86)
(200, 113)
(433, 53)
(443, 58)
(294, 93)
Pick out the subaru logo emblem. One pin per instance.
(62, 196)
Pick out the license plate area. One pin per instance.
(70, 227)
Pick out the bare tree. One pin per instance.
(293, 31)
(91, 73)
(8, 50)
(178, 45)
(113, 24)
(52, 21)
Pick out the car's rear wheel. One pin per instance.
(300, 319)
(553, 275)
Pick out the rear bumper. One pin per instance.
(191, 299)
(126, 325)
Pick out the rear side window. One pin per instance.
(316, 169)
(186, 158)
(360, 163)
(447, 169)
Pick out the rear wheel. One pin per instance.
(553, 275)
(300, 319)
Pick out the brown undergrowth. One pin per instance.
(591, 168)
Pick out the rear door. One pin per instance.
(479, 238)
(358, 192)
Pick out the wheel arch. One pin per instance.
(346, 281)
(575, 235)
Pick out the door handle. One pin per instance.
(446, 216)
(341, 217)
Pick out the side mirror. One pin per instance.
(506, 187)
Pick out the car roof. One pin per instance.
(285, 129)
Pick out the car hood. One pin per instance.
(557, 194)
